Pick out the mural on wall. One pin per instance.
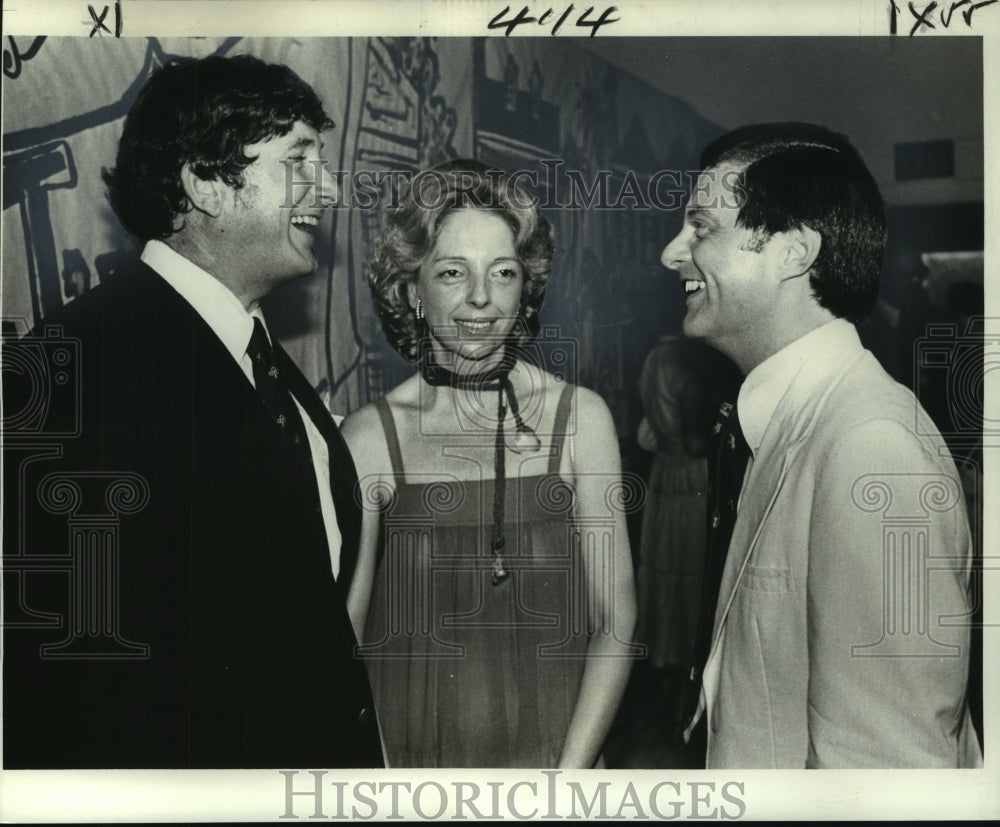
(406, 125)
(599, 142)
(592, 137)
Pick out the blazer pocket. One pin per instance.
(775, 580)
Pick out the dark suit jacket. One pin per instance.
(178, 546)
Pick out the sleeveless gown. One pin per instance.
(465, 673)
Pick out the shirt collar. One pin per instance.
(767, 383)
(210, 298)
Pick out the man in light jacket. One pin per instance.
(839, 637)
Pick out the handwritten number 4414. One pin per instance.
(548, 18)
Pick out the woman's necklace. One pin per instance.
(525, 440)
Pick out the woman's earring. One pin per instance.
(419, 309)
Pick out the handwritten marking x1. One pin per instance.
(98, 21)
(922, 17)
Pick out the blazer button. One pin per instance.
(363, 715)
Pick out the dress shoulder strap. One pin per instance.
(391, 436)
(560, 428)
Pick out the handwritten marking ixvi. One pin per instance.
(925, 19)
(98, 20)
(584, 21)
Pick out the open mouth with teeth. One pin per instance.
(474, 325)
(306, 223)
(691, 286)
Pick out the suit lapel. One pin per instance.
(179, 322)
(219, 382)
(760, 493)
(762, 486)
(343, 476)
(786, 434)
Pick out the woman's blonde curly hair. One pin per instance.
(412, 228)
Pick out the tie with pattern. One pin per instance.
(272, 389)
(727, 465)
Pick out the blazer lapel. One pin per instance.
(762, 487)
(175, 327)
(180, 323)
(786, 433)
(168, 318)
(219, 381)
(343, 476)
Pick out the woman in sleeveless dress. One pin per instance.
(494, 594)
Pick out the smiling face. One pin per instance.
(470, 286)
(267, 230)
(728, 273)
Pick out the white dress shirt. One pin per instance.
(230, 321)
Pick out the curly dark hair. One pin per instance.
(802, 174)
(203, 113)
(412, 228)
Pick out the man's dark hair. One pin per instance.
(202, 112)
(803, 175)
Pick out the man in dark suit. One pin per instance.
(192, 535)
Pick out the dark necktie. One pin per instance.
(727, 465)
(273, 390)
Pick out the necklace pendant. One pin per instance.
(499, 572)
(525, 441)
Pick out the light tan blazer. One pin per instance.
(839, 637)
